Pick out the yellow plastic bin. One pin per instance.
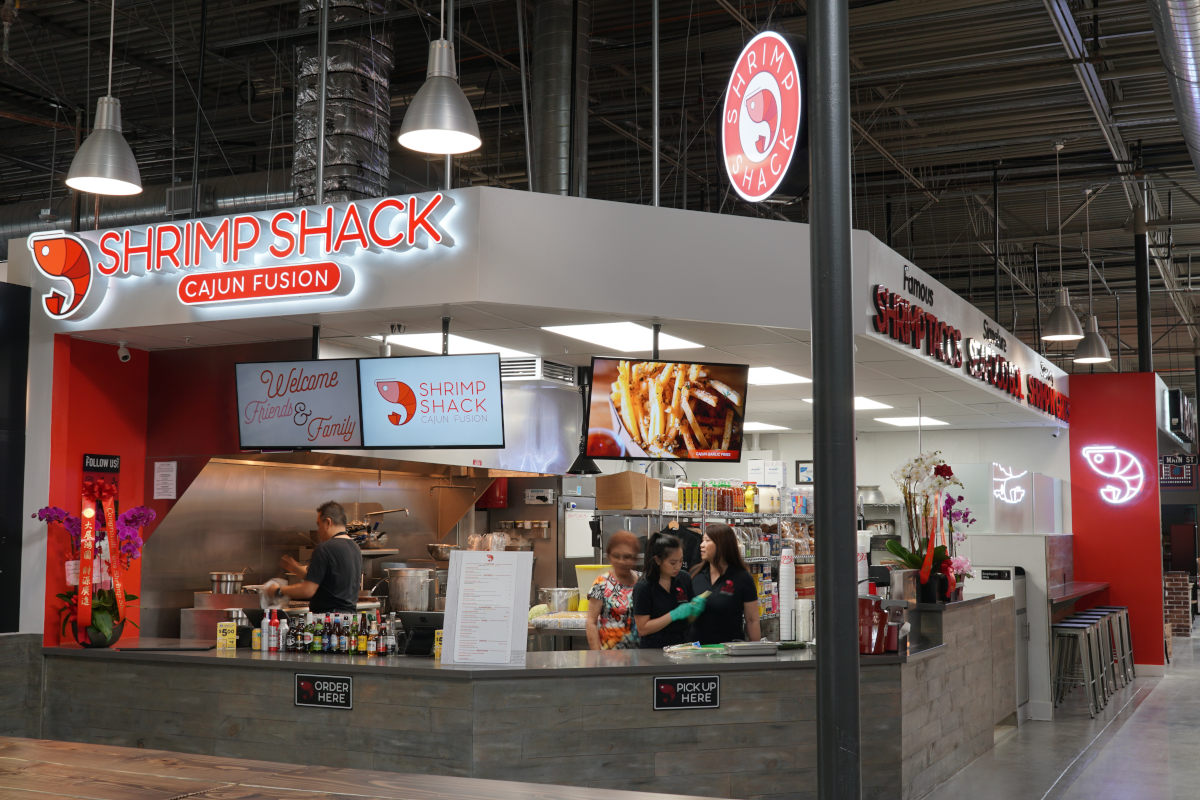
(585, 575)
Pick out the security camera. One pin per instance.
(385, 348)
(1056, 431)
(123, 354)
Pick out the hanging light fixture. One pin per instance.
(440, 119)
(583, 464)
(1091, 349)
(104, 164)
(1063, 325)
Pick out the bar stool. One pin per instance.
(1107, 646)
(1124, 639)
(1073, 645)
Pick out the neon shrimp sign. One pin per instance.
(1003, 488)
(1122, 467)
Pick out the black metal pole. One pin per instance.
(1117, 298)
(445, 336)
(1141, 276)
(199, 110)
(316, 342)
(996, 244)
(838, 760)
(1037, 299)
(654, 345)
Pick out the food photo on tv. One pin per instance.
(666, 410)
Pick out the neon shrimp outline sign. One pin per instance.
(1002, 477)
(1122, 467)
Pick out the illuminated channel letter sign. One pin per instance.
(1121, 467)
(761, 123)
(1004, 484)
(288, 253)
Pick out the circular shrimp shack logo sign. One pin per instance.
(760, 128)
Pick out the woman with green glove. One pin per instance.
(663, 601)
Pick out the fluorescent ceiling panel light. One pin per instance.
(861, 404)
(769, 376)
(911, 422)
(763, 426)
(624, 337)
(459, 345)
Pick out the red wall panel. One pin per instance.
(1114, 498)
(99, 406)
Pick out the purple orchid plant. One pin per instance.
(956, 518)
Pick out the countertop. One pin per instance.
(571, 663)
(1075, 590)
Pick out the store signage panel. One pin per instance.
(288, 254)
(1177, 472)
(909, 309)
(762, 125)
(324, 691)
(432, 401)
(284, 404)
(689, 691)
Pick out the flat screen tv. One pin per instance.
(286, 405)
(674, 410)
(432, 401)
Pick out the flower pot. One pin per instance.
(957, 595)
(933, 590)
(92, 637)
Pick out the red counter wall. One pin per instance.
(1119, 542)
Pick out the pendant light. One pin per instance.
(104, 163)
(1063, 325)
(440, 119)
(1091, 349)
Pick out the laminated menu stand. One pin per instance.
(487, 607)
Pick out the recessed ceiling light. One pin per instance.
(459, 345)
(624, 337)
(911, 422)
(861, 404)
(769, 376)
(763, 426)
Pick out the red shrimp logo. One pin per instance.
(667, 690)
(402, 395)
(62, 257)
(307, 691)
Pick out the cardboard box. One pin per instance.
(631, 490)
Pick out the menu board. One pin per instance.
(487, 605)
(432, 401)
(292, 404)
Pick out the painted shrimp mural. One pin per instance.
(1122, 467)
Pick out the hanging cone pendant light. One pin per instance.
(440, 118)
(1092, 349)
(1063, 325)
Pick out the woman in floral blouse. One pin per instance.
(610, 600)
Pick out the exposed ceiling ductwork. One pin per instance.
(1177, 28)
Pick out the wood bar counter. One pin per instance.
(577, 717)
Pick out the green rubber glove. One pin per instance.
(699, 603)
(681, 612)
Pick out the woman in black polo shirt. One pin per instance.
(731, 612)
(662, 599)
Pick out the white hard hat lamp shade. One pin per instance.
(440, 119)
(104, 163)
(1092, 349)
(1063, 325)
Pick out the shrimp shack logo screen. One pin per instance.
(290, 254)
(431, 401)
(761, 124)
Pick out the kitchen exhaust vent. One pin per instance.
(536, 369)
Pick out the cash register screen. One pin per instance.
(418, 629)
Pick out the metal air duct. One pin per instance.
(357, 106)
(1177, 28)
(561, 63)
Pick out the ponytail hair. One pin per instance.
(658, 546)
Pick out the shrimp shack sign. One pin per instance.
(287, 254)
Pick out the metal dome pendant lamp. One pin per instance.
(104, 163)
(1063, 325)
(1091, 349)
(440, 119)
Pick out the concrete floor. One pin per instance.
(1144, 746)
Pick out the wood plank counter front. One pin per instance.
(577, 718)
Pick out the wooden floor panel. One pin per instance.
(32, 769)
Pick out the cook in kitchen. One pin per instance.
(330, 581)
